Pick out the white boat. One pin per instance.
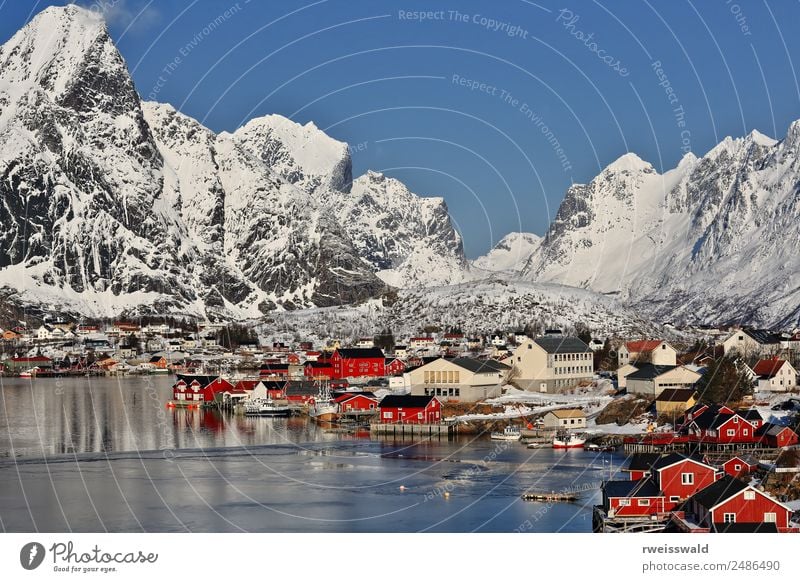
(265, 407)
(323, 408)
(29, 373)
(510, 433)
(568, 441)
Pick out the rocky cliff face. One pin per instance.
(408, 240)
(706, 241)
(110, 205)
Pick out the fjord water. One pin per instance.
(105, 454)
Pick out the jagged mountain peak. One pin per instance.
(303, 154)
(629, 162)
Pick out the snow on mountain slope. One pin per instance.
(706, 241)
(302, 154)
(108, 205)
(511, 254)
(407, 239)
(475, 307)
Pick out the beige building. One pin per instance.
(551, 363)
(647, 352)
(650, 380)
(622, 374)
(565, 418)
(752, 342)
(459, 379)
(675, 401)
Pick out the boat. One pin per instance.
(265, 407)
(510, 433)
(323, 408)
(568, 441)
(596, 448)
(29, 373)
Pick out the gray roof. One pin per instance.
(562, 345)
(480, 366)
(763, 336)
(640, 488)
(649, 372)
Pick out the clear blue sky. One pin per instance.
(371, 73)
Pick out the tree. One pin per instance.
(724, 383)
(385, 340)
(583, 332)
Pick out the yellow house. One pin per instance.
(675, 401)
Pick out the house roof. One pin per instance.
(673, 458)
(750, 414)
(643, 345)
(763, 336)
(568, 413)
(676, 395)
(642, 461)
(720, 490)
(562, 345)
(649, 372)
(712, 419)
(770, 429)
(480, 366)
(746, 459)
(348, 353)
(405, 401)
(640, 488)
(769, 367)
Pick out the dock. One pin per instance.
(552, 496)
(439, 430)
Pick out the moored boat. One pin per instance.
(265, 407)
(323, 408)
(510, 433)
(568, 441)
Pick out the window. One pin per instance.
(738, 467)
(643, 502)
(674, 499)
(687, 478)
(387, 415)
(749, 495)
(624, 502)
(770, 517)
(729, 518)
(731, 432)
(530, 346)
(746, 432)
(419, 415)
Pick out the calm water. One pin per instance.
(106, 455)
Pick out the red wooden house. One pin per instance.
(679, 477)
(292, 358)
(721, 428)
(740, 466)
(640, 465)
(358, 362)
(728, 504)
(274, 371)
(357, 404)
(773, 435)
(632, 498)
(199, 389)
(318, 370)
(394, 366)
(410, 410)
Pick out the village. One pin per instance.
(709, 423)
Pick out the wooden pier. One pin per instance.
(552, 496)
(412, 429)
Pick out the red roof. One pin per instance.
(32, 359)
(246, 385)
(643, 345)
(768, 367)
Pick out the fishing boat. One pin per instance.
(568, 440)
(323, 408)
(510, 433)
(265, 407)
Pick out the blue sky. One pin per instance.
(497, 106)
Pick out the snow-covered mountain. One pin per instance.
(408, 240)
(109, 205)
(511, 254)
(711, 240)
